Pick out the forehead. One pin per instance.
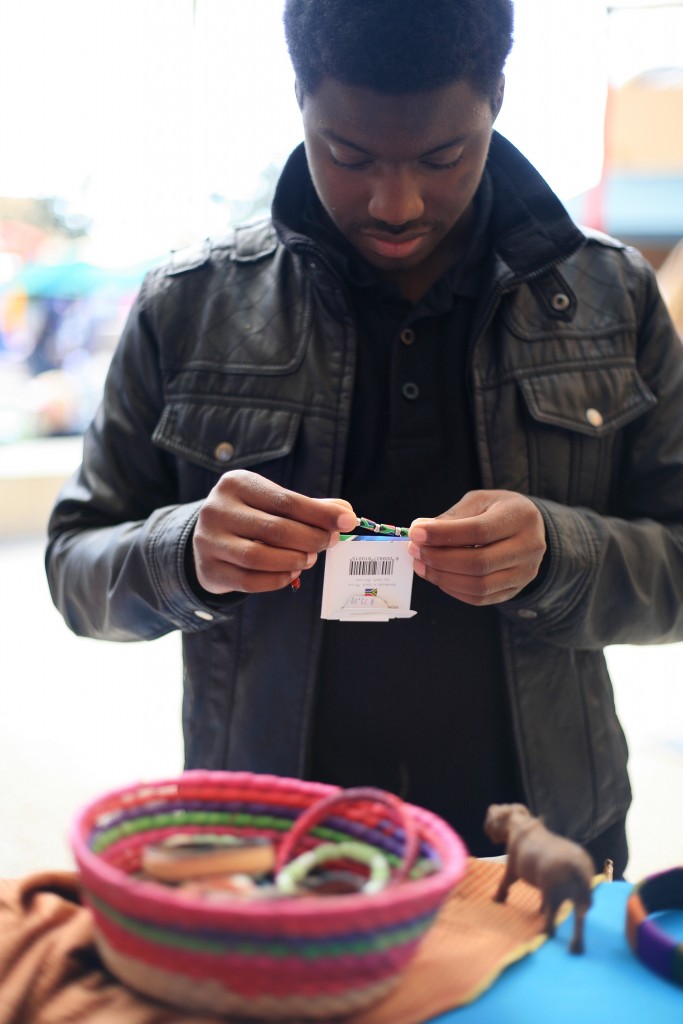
(412, 121)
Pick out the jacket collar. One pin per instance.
(531, 228)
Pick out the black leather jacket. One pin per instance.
(242, 355)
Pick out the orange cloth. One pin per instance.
(472, 940)
(50, 972)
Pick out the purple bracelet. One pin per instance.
(652, 945)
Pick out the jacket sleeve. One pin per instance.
(118, 535)
(618, 578)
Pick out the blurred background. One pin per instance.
(131, 128)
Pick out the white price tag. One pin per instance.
(368, 579)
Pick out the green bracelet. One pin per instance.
(383, 528)
(288, 877)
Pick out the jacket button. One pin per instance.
(407, 336)
(560, 302)
(594, 417)
(410, 390)
(201, 614)
(527, 613)
(224, 451)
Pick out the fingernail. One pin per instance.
(418, 534)
(346, 522)
(419, 568)
(413, 550)
(311, 559)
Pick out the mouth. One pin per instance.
(393, 248)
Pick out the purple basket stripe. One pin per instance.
(392, 842)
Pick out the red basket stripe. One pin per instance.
(339, 915)
(260, 974)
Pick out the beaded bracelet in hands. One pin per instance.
(384, 529)
(661, 953)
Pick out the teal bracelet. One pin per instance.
(289, 877)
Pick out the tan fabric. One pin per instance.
(50, 972)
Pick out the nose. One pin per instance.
(396, 198)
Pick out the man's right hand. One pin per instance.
(253, 536)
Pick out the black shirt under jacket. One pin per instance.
(415, 706)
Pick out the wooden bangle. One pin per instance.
(193, 856)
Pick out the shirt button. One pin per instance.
(407, 336)
(201, 614)
(410, 390)
(594, 417)
(527, 613)
(223, 452)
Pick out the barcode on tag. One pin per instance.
(371, 567)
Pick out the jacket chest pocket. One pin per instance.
(574, 421)
(209, 439)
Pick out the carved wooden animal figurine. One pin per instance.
(560, 868)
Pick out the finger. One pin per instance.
(478, 591)
(480, 560)
(249, 523)
(256, 556)
(262, 495)
(471, 532)
(479, 518)
(228, 578)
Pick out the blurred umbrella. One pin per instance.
(75, 280)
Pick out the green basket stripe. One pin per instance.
(314, 950)
(151, 822)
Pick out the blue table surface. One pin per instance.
(606, 984)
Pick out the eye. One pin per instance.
(350, 165)
(434, 166)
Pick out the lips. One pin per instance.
(393, 248)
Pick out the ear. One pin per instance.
(497, 102)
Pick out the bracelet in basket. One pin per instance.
(288, 878)
(651, 944)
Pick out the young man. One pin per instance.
(422, 336)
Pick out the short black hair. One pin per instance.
(399, 46)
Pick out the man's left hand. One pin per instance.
(484, 550)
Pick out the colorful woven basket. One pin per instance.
(294, 957)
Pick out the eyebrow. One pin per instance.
(334, 137)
